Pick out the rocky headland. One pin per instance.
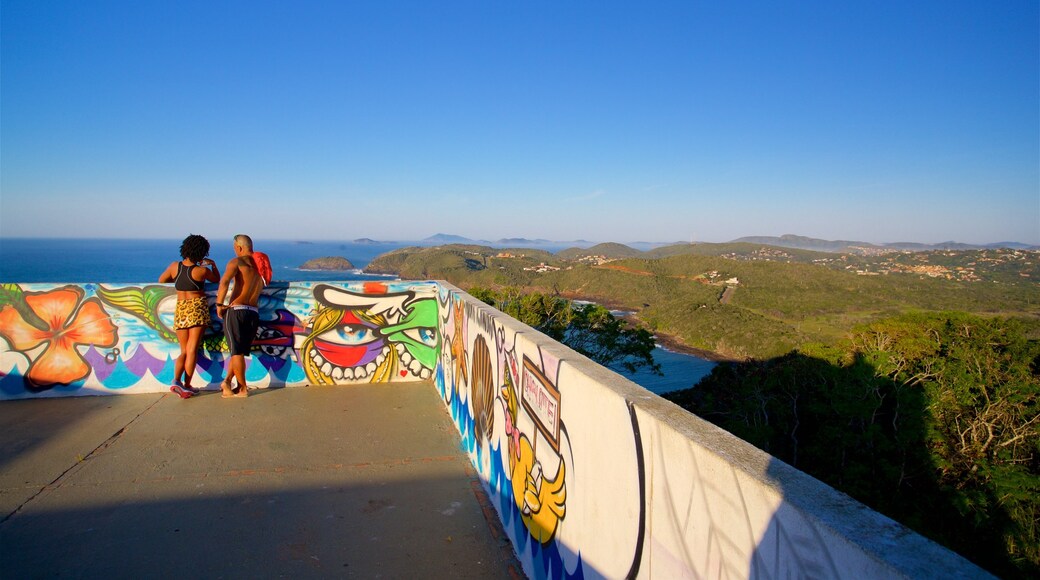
(334, 263)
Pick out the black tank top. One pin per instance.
(184, 281)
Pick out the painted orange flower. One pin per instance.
(69, 322)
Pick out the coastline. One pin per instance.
(664, 340)
(667, 341)
(675, 344)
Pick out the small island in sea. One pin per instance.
(328, 263)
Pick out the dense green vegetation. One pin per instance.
(587, 328)
(909, 381)
(608, 250)
(773, 305)
(930, 418)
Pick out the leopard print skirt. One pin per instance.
(191, 312)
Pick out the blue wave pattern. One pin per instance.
(539, 561)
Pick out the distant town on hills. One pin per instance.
(785, 241)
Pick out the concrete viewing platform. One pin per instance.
(334, 481)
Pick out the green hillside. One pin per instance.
(608, 250)
(777, 298)
(908, 380)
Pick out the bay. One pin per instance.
(678, 371)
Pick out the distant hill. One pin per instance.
(609, 250)
(416, 262)
(783, 297)
(1012, 246)
(521, 242)
(853, 247)
(366, 241)
(328, 263)
(957, 246)
(647, 246)
(791, 241)
(447, 239)
(804, 243)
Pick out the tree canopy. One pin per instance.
(930, 418)
(589, 329)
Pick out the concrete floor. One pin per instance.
(353, 481)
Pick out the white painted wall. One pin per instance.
(651, 490)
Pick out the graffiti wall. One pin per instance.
(93, 339)
(593, 476)
(590, 474)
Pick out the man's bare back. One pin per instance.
(240, 313)
(248, 282)
(242, 271)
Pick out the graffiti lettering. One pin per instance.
(542, 400)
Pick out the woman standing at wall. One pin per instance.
(191, 316)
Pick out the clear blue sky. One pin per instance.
(650, 121)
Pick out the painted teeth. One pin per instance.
(406, 357)
(413, 364)
(340, 373)
(337, 373)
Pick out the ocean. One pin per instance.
(62, 260)
(139, 261)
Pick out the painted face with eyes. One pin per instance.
(351, 343)
(370, 336)
(417, 335)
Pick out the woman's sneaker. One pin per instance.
(177, 388)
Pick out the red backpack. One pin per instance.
(263, 266)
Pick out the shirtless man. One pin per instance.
(240, 314)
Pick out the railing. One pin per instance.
(590, 474)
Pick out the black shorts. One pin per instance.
(240, 325)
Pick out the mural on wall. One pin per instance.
(458, 349)
(50, 327)
(507, 408)
(274, 336)
(370, 335)
(97, 339)
(483, 392)
(541, 500)
(584, 506)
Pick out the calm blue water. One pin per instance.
(141, 261)
(681, 371)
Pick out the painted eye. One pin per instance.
(423, 335)
(349, 335)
